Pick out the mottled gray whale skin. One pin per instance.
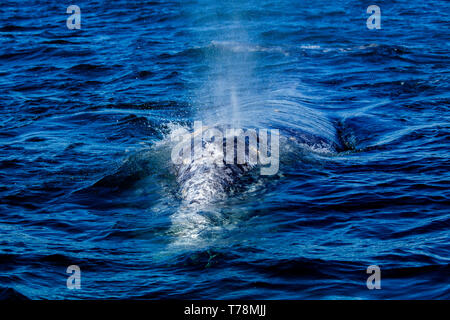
(205, 176)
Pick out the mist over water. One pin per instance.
(87, 179)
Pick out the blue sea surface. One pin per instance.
(86, 177)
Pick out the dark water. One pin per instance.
(84, 179)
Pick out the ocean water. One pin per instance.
(86, 176)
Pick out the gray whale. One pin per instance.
(204, 177)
